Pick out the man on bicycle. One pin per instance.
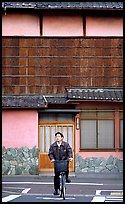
(60, 150)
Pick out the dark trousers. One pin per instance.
(56, 180)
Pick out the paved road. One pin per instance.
(83, 188)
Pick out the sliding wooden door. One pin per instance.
(47, 137)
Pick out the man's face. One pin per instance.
(59, 138)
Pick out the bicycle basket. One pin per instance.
(61, 166)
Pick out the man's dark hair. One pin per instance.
(59, 133)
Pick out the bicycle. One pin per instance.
(61, 168)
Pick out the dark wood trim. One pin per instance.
(84, 25)
(41, 25)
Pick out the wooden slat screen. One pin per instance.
(46, 65)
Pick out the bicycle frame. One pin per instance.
(61, 167)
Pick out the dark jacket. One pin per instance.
(62, 153)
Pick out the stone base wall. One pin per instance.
(24, 161)
(98, 165)
(20, 161)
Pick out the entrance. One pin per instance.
(47, 132)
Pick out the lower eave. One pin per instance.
(67, 102)
(78, 101)
(22, 107)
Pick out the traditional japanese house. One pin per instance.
(62, 70)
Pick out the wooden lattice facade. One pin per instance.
(46, 65)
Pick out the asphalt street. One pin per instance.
(85, 187)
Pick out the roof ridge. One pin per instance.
(64, 5)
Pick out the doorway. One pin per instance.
(47, 130)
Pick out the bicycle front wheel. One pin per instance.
(63, 187)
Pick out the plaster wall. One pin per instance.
(62, 25)
(104, 26)
(20, 25)
(19, 128)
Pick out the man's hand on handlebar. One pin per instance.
(52, 160)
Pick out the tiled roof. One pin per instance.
(106, 94)
(24, 101)
(29, 101)
(64, 5)
(56, 99)
(71, 94)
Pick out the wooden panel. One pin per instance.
(45, 162)
(47, 65)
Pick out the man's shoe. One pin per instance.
(56, 192)
(68, 180)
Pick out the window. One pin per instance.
(47, 134)
(97, 130)
(57, 117)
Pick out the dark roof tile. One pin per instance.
(23, 101)
(35, 101)
(55, 99)
(64, 5)
(107, 94)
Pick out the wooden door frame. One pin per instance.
(56, 124)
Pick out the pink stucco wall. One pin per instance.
(104, 154)
(19, 128)
(62, 25)
(20, 25)
(104, 26)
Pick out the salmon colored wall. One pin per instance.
(62, 25)
(104, 26)
(19, 128)
(20, 25)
